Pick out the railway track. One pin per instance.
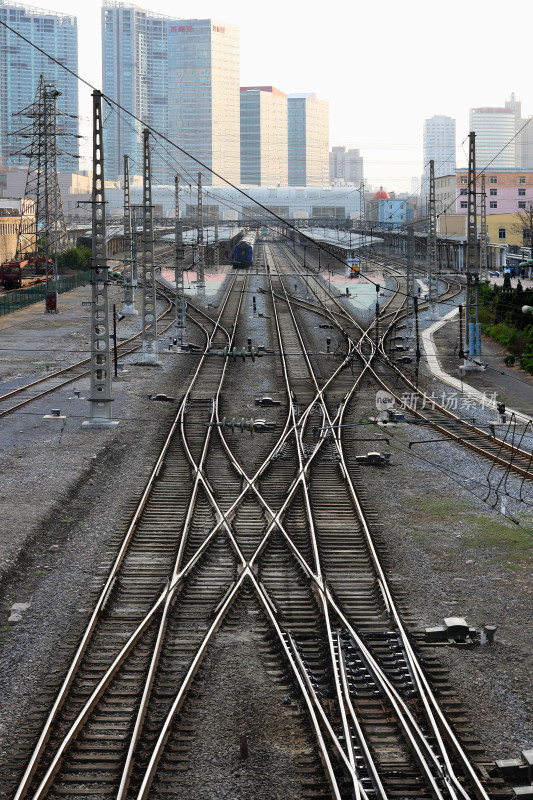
(507, 452)
(215, 533)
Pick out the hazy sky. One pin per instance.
(383, 66)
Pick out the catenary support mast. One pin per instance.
(149, 348)
(178, 272)
(410, 282)
(200, 278)
(472, 274)
(100, 392)
(483, 270)
(128, 306)
(433, 278)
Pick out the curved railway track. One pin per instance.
(211, 532)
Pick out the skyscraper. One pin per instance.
(21, 66)
(495, 130)
(439, 145)
(135, 74)
(264, 142)
(308, 119)
(204, 97)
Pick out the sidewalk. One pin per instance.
(512, 385)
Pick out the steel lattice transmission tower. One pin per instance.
(48, 234)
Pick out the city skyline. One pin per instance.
(381, 116)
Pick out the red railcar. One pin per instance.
(11, 272)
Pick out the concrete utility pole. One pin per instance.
(433, 277)
(362, 204)
(473, 334)
(128, 307)
(410, 280)
(149, 349)
(200, 275)
(178, 272)
(100, 392)
(483, 271)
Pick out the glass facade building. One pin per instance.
(204, 98)
(308, 126)
(135, 74)
(264, 136)
(21, 66)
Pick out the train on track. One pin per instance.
(12, 272)
(243, 254)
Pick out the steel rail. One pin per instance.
(64, 370)
(100, 603)
(337, 435)
(199, 478)
(429, 777)
(514, 451)
(309, 514)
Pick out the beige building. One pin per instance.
(264, 136)
(502, 229)
(11, 213)
(204, 98)
(75, 189)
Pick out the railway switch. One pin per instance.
(243, 353)
(257, 425)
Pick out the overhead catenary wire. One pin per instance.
(165, 138)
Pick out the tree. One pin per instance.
(523, 225)
(75, 258)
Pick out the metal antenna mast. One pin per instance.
(128, 307)
(100, 394)
(149, 296)
(483, 232)
(200, 277)
(48, 233)
(178, 272)
(433, 278)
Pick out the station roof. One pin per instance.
(341, 239)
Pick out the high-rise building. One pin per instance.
(439, 145)
(204, 97)
(21, 66)
(308, 124)
(345, 166)
(524, 134)
(495, 130)
(264, 136)
(135, 74)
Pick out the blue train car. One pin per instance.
(243, 255)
